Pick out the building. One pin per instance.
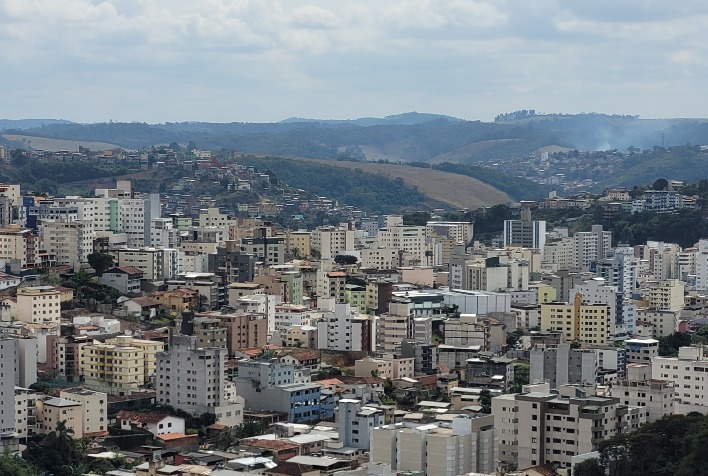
(155, 423)
(641, 351)
(467, 445)
(125, 279)
(70, 241)
(540, 428)
(590, 247)
(355, 422)
(639, 389)
(19, 245)
(525, 232)
(39, 304)
(387, 366)
(94, 406)
(564, 365)
(345, 329)
(9, 378)
(243, 330)
(588, 324)
(156, 264)
(457, 231)
(687, 371)
(121, 365)
(194, 380)
(331, 241)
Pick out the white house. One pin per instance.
(155, 423)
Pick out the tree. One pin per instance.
(100, 262)
(16, 466)
(485, 401)
(521, 377)
(589, 467)
(345, 259)
(660, 184)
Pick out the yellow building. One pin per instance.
(300, 240)
(18, 244)
(545, 292)
(121, 365)
(356, 296)
(178, 300)
(588, 324)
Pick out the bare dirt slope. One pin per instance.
(459, 191)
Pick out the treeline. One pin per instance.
(374, 193)
(674, 445)
(44, 177)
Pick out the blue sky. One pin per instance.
(263, 60)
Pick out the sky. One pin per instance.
(266, 60)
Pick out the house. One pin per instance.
(155, 423)
(144, 307)
(305, 358)
(125, 279)
(280, 450)
(178, 300)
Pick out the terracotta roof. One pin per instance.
(140, 417)
(290, 469)
(336, 274)
(329, 381)
(217, 426)
(305, 355)
(126, 270)
(351, 380)
(145, 301)
(174, 436)
(276, 445)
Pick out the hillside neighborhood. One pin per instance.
(274, 331)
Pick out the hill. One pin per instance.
(456, 190)
(53, 145)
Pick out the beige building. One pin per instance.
(94, 406)
(391, 329)
(665, 295)
(242, 330)
(120, 366)
(539, 427)
(54, 410)
(662, 322)
(588, 324)
(468, 445)
(299, 240)
(331, 285)
(39, 304)
(331, 241)
(18, 245)
(70, 241)
(380, 258)
(654, 396)
(387, 366)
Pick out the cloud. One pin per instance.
(253, 60)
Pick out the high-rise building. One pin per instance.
(591, 247)
(525, 232)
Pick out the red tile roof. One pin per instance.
(140, 417)
(276, 445)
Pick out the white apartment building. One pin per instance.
(287, 315)
(163, 234)
(39, 304)
(346, 330)
(655, 396)
(457, 231)
(466, 445)
(662, 322)
(622, 312)
(70, 241)
(94, 406)
(379, 258)
(26, 412)
(156, 264)
(194, 380)
(355, 422)
(525, 232)
(641, 351)
(591, 247)
(391, 329)
(331, 241)
(8, 380)
(132, 213)
(688, 371)
(560, 252)
(410, 239)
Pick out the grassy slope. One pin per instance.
(457, 190)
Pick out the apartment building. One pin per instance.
(546, 428)
(641, 351)
(94, 406)
(466, 445)
(26, 412)
(457, 231)
(300, 241)
(639, 389)
(563, 365)
(525, 232)
(331, 241)
(386, 366)
(560, 252)
(9, 377)
(622, 311)
(39, 304)
(121, 365)
(243, 330)
(194, 380)
(688, 372)
(590, 247)
(662, 322)
(380, 258)
(410, 239)
(355, 422)
(331, 285)
(18, 245)
(345, 329)
(664, 295)
(156, 264)
(70, 241)
(588, 324)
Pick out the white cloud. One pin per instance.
(160, 60)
